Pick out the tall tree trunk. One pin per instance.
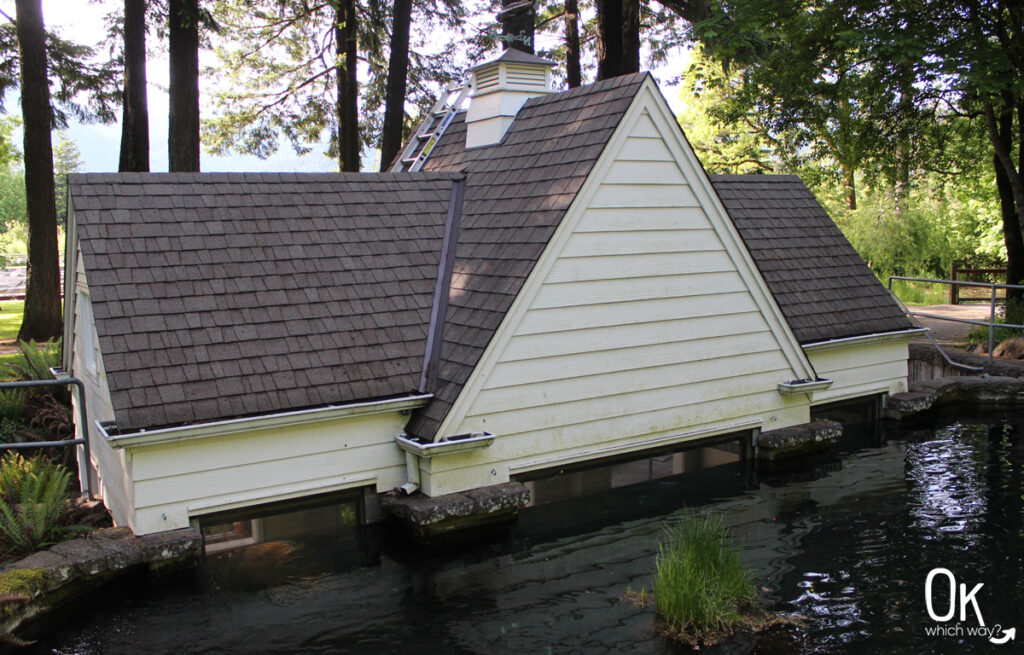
(346, 35)
(42, 318)
(850, 182)
(1011, 232)
(517, 20)
(573, 72)
(630, 36)
(183, 120)
(135, 114)
(609, 38)
(394, 95)
(1010, 210)
(1002, 143)
(904, 147)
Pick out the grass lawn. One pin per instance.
(10, 319)
(9, 357)
(920, 293)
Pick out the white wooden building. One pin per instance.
(560, 283)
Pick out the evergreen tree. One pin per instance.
(398, 73)
(135, 107)
(42, 318)
(67, 159)
(183, 119)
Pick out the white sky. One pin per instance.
(82, 21)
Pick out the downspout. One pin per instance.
(438, 313)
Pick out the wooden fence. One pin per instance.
(969, 294)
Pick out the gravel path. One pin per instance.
(949, 332)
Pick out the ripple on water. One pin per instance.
(847, 546)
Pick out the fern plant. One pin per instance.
(12, 403)
(15, 469)
(34, 361)
(34, 505)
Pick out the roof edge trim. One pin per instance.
(265, 422)
(863, 339)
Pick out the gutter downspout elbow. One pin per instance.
(412, 474)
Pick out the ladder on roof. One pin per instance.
(432, 128)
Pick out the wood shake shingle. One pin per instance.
(823, 287)
(223, 295)
(220, 295)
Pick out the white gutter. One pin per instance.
(265, 422)
(864, 339)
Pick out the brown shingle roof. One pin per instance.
(221, 295)
(516, 195)
(824, 288)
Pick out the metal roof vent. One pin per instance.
(500, 87)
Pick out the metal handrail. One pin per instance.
(991, 323)
(83, 416)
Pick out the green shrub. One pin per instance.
(8, 429)
(701, 586)
(1012, 313)
(919, 293)
(34, 361)
(12, 403)
(33, 504)
(16, 469)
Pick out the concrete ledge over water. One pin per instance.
(973, 390)
(429, 517)
(47, 579)
(784, 443)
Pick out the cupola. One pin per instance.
(499, 88)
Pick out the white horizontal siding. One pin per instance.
(859, 370)
(685, 379)
(174, 482)
(629, 196)
(630, 357)
(641, 311)
(613, 219)
(618, 405)
(641, 148)
(645, 172)
(622, 290)
(531, 450)
(583, 269)
(642, 327)
(612, 337)
(591, 244)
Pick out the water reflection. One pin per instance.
(847, 547)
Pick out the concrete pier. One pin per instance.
(432, 517)
(786, 443)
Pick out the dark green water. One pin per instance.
(846, 542)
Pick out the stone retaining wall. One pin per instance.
(45, 580)
(927, 363)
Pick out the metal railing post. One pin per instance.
(992, 326)
(79, 441)
(954, 290)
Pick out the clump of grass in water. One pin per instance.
(702, 590)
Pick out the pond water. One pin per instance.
(846, 541)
